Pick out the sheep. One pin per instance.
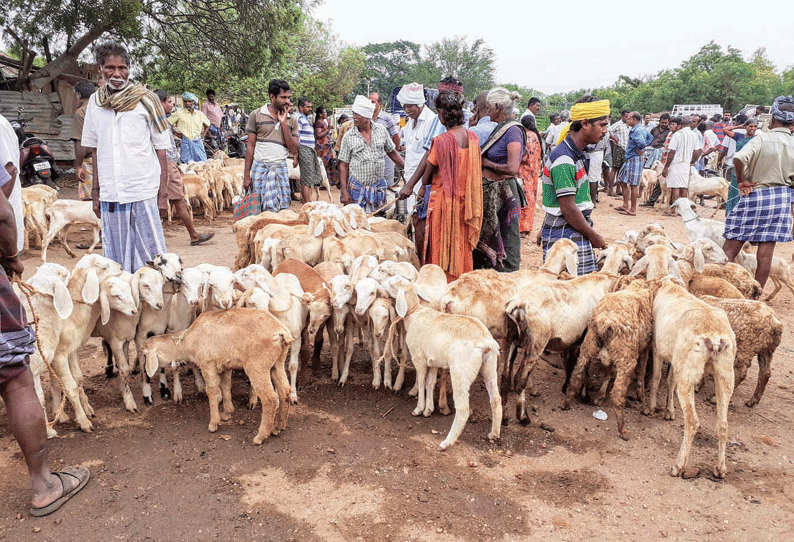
(220, 341)
(691, 262)
(652, 234)
(619, 336)
(656, 263)
(707, 186)
(779, 273)
(35, 201)
(431, 285)
(736, 275)
(630, 238)
(696, 226)
(197, 189)
(373, 309)
(461, 344)
(218, 289)
(298, 246)
(62, 215)
(758, 332)
(344, 330)
(688, 333)
(551, 316)
(382, 225)
(614, 257)
(294, 171)
(649, 179)
(337, 252)
(241, 229)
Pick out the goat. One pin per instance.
(62, 215)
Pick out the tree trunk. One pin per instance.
(53, 69)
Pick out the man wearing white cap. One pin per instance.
(361, 159)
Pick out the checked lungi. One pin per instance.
(556, 227)
(192, 150)
(271, 182)
(652, 155)
(631, 172)
(762, 216)
(369, 197)
(17, 339)
(132, 233)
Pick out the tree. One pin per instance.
(388, 65)
(474, 64)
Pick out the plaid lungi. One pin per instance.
(369, 197)
(132, 233)
(652, 155)
(762, 216)
(271, 182)
(631, 172)
(192, 150)
(17, 339)
(556, 227)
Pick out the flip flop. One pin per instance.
(203, 238)
(80, 473)
(86, 246)
(620, 209)
(627, 213)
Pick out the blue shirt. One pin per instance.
(305, 131)
(483, 129)
(639, 138)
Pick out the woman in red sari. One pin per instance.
(325, 145)
(529, 172)
(453, 178)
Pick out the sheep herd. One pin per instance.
(330, 271)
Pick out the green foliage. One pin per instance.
(388, 65)
(474, 64)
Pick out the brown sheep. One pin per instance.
(758, 332)
(736, 275)
(619, 336)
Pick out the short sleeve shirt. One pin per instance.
(77, 122)
(189, 124)
(366, 159)
(683, 143)
(305, 131)
(270, 142)
(565, 174)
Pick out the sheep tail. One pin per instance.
(389, 349)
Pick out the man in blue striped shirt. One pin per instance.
(311, 176)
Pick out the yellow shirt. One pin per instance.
(189, 124)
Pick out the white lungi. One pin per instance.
(678, 175)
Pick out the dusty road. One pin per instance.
(355, 465)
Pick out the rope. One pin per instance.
(386, 206)
(27, 289)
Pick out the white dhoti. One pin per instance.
(678, 175)
(594, 171)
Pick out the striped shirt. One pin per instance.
(565, 174)
(305, 131)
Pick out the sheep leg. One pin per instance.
(686, 398)
(96, 231)
(642, 366)
(421, 374)
(40, 394)
(109, 366)
(263, 386)
(77, 372)
(577, 375)
(625, 368)
(63, 235)
(671, 386)
(386, 361)
(213, 381)
(655, 379)
(778, 287)
(404, 359)
(723, 385)
(71, 389)
(318, 348)
(146, 388)
(461, 384)
(56, 392)
(201, 386)
(491, 380)
(375, 353)
(430, 386)
(278, 376)
(350, 345)
(764, 372)
(165, 393)
(521, 388)
(55, 227)
(117, 348)
(336, 349)
(305, 354)
(294, 365)
(443, 405)
(178, 396)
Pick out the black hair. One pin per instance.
(636, 115)
(84, 88)
(740, 119)
(210, 91)
(163, 95)
(343, 118)
(302, 101)
(452, 105)
(577, 124)
(664, 116)
(320, 110)
(716, 118)
(702, 126)
(622, 111)
(533, 100)
(276, 87)
(676, 120)
(110, 48)
(553, 116)
(528, 122)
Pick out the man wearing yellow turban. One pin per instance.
(566, 187)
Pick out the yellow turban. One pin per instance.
(585, 111)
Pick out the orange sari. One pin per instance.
(454, 214)
(529, 172)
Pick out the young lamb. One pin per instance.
(758, 332)
(619, 336)
(220, 341)
(460, 343)
(708, 186)
(35, 201)
(689, 333)
(780, 272)
(656, 263)
(696, 226)
(736, 275)
(63, 214)
(614, 257)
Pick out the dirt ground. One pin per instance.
(354, 464)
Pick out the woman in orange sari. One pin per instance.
(529, 172)
(454, 179)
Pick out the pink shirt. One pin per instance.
(213, 112)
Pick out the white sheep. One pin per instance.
(63, 214)
(696, 226)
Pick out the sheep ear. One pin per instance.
(402, 304)
(673, 268)
(307, 298)
(104, 306)
(62, 300)
(152, 363)
(699, 260)
(602, 255)
(572, 264)
(629, 261)
(136, 293)
(205, 291)
(639, 267)
(90, 291)
(319, 228)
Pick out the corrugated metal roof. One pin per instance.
(48, 120)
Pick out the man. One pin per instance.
(311, 176)
(619, 135)
(82, 160)
(482, 125)
(384, 119)
(193, 126)
(765, 176)
(533, 108)
(553, 135)
(659, 135)
(648, 123)
(657, 190)
(566, 191)
(361, 159)
(679, 158)
(174, 194)
(272, 138)
(12, 187)
(126, 131)
(344, 124)
(212, 110)
(694, 121)
(631, 173)
(25, 415)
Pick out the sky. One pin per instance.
(556, 46)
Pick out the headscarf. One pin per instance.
(786, 117)
(454, 87)
(363, 106)
(585, 111)
(190, 97)
(129, 97)
(412, 94)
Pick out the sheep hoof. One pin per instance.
(674, 472)
(148, 400)
(565, 406)
(751, 403)
(446, 411)
(714, 400)
(51, 433)
(259, 440)
(252, 405)
(342, 383)
(624, 435)
(165, 393)
(63, 418)
(416, 412)
(524, 420)
(719, 472)
(444, 445)
(213, 427)
(225, 416)
(669, 416)
(87, 427)
(109, 372)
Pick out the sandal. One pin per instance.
(203, 238)
(80, 473)
(626, 212)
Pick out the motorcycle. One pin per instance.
(36, 161)
(235, 145)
